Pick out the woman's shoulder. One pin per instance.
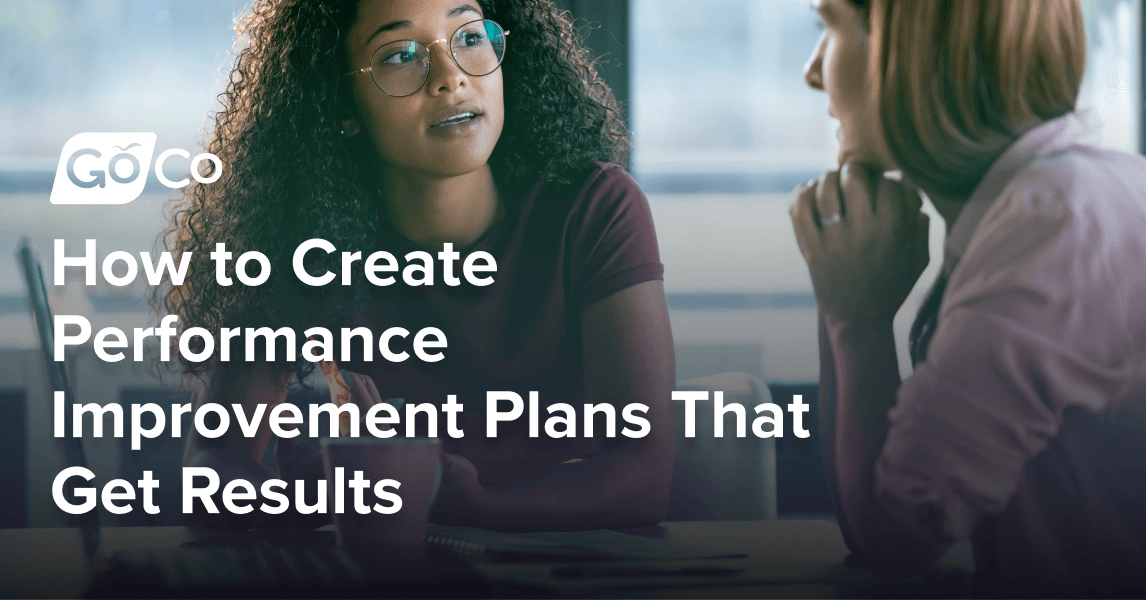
(1085, 196)
(593, 190)
(608, 187)
(611, 239)
(1068, 223)
(1055, 263)
(595, 170)
(1083, 178)
(591, 180)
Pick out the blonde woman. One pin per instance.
(1022, 425)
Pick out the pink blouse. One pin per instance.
(1025, 427)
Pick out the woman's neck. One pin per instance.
(431, 211)
(948, 207)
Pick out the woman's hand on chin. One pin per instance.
(462, 500)
(865, 242)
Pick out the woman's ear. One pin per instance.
(350, 128)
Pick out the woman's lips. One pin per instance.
(461, 124)
(458, 119)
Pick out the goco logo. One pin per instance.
(112, 168)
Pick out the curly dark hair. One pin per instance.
(289, 175)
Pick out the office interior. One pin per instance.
(723, 128)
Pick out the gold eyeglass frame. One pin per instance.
(370, 69)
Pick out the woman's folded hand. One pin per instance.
(865, 242)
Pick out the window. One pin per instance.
(1112, 88)
(724, 128)
(68, 67)
(719, 101)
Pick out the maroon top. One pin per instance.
(559, 249)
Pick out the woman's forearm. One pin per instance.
(627, 357)
(867, 378)
(826, 413)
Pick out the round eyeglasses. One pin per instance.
(401, 68)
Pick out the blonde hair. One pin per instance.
(957, 81)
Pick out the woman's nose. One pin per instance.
(814, 68)
(445, 75)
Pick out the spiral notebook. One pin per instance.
(482, 545)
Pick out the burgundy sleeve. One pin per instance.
(613, 244)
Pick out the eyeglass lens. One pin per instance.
(401, 68)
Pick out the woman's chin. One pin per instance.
(862, 156)
(455, 164)
(456, 155)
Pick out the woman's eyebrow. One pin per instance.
(391, 26)
(463, 9)
(406, 24)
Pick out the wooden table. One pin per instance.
(786, 558)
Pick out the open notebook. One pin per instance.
(481, 545)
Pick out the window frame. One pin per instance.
(1142, 76)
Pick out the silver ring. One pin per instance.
(832, 220)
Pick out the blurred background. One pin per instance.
(723, 129)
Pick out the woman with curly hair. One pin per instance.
(405, 125)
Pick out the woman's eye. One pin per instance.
(471, 38)
(400, 57)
